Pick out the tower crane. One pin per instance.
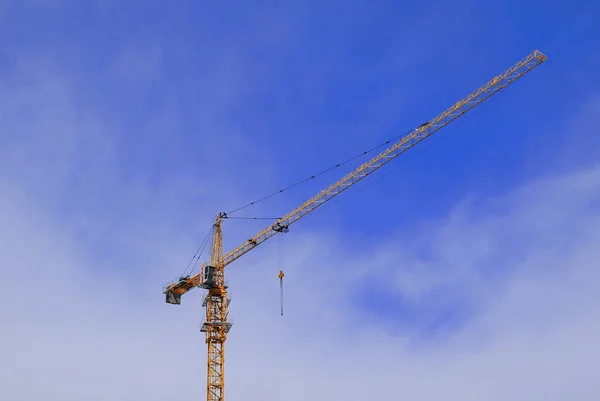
(212, 275)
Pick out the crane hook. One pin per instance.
(281, 289)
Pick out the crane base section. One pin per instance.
(205, 326)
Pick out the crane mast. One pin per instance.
(212, 275)
(216, 325)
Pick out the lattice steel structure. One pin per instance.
(212, 276)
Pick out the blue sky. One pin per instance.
(125, 128)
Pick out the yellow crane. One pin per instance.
(212, 275)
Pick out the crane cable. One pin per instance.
(281, 289)
(424, 149)
(320, 173)
(196, 258)
(200, 251)
(280, 242)
(251, 218)
(492, 98)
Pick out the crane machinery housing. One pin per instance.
(212, 274)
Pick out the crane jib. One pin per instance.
(498, 83)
